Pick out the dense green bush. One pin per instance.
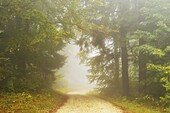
(29, 45)
(163, 73)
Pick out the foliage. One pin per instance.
(135, 32)
(151, 51)
(31, 103)
(142, 27)
(136, 106)
(31, 34)
(154, 30)
(97, 46)
(165, 71)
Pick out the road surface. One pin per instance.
(87, 104)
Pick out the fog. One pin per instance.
(73, 73)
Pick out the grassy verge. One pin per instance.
(31, 103)
(131, 106)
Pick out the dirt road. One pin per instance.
(87, 104)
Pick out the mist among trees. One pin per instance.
(125, 44)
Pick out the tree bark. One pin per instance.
(116, 63)
(124, 58)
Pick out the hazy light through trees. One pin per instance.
(73, 73)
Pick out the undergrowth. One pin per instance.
(138, 105)
(31, 103)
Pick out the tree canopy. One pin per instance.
(31, 34)
(126, 43)
(133, 57)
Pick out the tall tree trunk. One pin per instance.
(124, 57)
(21, 50)
(142, 68)
(116, 64)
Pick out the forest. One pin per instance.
(126, 44)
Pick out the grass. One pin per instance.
(31, 103)
(132, 106)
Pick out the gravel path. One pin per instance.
(87, 104)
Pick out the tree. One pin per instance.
(152, 33)
(100, 39)
(114, 15)
(141, 38)
(30, 38)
